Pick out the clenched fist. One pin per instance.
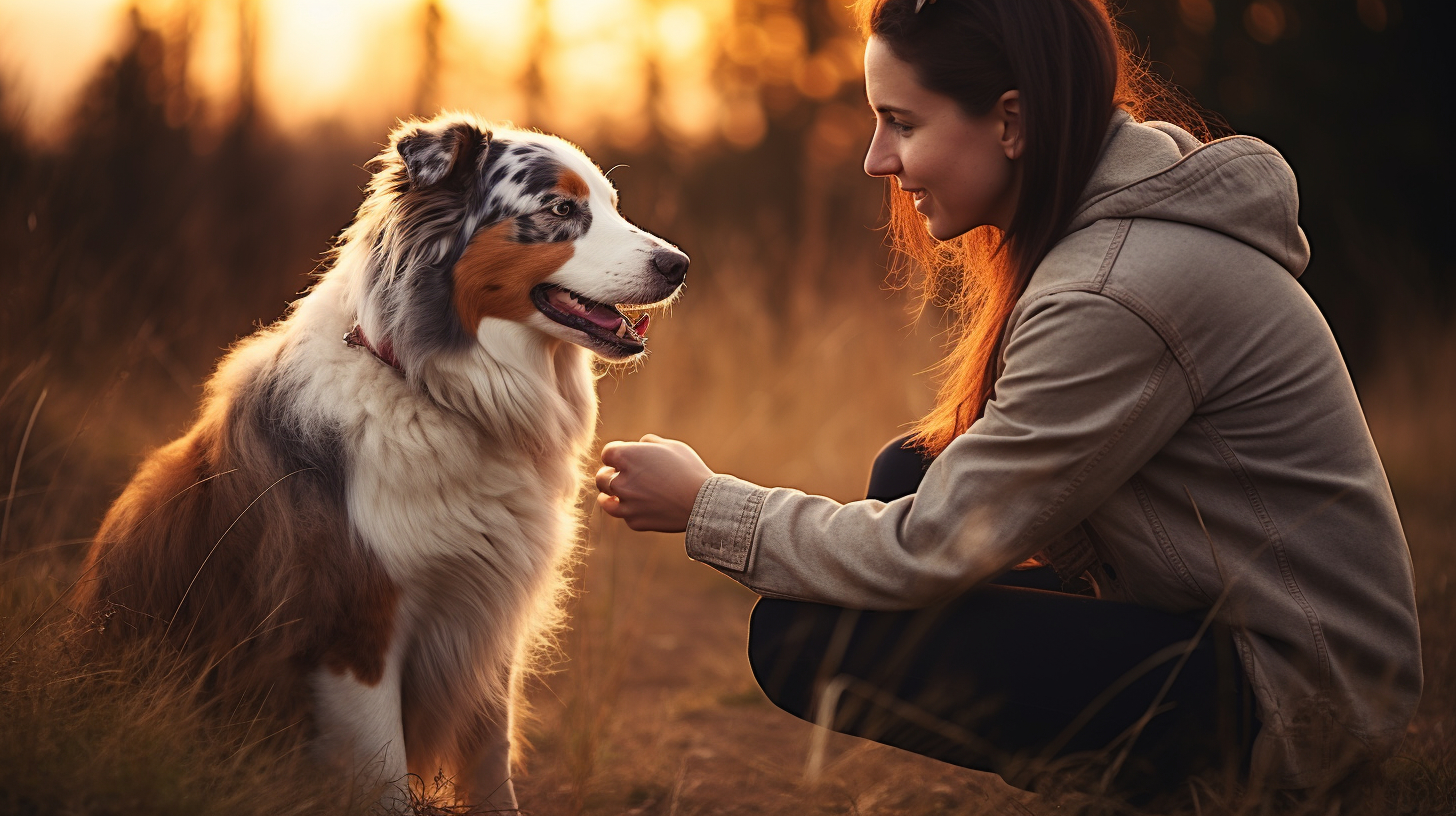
(650, 484)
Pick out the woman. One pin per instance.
(1142, 396)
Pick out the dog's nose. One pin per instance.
(670, 264)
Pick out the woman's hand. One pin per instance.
(650, 484)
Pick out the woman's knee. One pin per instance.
(897, 470)
(783, 652)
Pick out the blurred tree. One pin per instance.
(538, 37)
(247, 89)
(121, 184)
(132, 257)
(12, 143)
(427, 83)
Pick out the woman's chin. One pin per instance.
(941, 231)
(943, 228)
(940, 227)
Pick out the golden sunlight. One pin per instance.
(48, 50)
(614, 70)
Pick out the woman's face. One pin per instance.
(961, 169)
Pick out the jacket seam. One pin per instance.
(1272, 716)
(1114, 249)
(1098, 286)
(1165, 330)
(1155, 379)
(695, 522)
(1276, 546)
(717, 551)
(747, 528)
(1160, 533)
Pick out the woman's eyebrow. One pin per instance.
(889, 109)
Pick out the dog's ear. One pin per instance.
(432, 151)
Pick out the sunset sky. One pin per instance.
(359, 61)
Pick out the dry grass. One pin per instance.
(129, 736)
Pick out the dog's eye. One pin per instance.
(561, 209)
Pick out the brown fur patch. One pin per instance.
(495, 275)
(571, 184)
(361, 647)
(242, 564)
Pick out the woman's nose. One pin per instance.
(880, 161)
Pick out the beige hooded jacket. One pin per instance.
(1163, 373)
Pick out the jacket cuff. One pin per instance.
(722, 523)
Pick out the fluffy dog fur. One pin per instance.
(370, 537)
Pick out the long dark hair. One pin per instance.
(1072, 69)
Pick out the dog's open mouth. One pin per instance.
(602, 322)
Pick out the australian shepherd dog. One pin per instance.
(367, 527)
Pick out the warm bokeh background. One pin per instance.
(172, 171)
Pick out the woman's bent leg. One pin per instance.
(1004, 679)
(897, 470)
(896, 473)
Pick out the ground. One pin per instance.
(657, 712)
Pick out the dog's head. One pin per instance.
(467, 224)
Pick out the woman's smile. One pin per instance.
(922, 204)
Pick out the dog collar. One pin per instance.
(384, 353)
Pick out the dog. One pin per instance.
(367, 528)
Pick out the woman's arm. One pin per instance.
(1088, 394)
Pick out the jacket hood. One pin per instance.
(1238, 186)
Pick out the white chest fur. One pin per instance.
(485, 469)
(464, 488)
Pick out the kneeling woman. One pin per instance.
(1142, 398)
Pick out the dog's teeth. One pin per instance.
(622, 329)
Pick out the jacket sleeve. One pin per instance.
(1089, 392)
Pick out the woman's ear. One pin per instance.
(1008, 109)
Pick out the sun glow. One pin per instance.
(612, 70)
(49, 50)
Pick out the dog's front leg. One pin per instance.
(361, 731)
(484, 779)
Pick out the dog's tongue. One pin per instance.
(603, 316)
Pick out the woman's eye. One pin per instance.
(900, 126)
(561, 209)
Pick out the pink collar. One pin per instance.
(384, 352)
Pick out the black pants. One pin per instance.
(1014, 677)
